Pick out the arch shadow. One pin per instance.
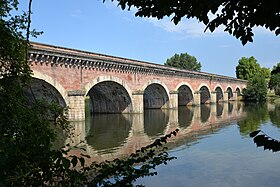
(109, 97)
(41, 90)
(155, 96)
(219, 94)
(204, 95)
(185, 96)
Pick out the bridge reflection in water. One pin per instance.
(110, 136)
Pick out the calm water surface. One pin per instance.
(213, 147)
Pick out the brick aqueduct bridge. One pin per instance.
(120, 85)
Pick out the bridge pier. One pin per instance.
(137, 100)
(235, 96)
(213, 97)
(76, 111)
(226, 96)
(173, 101)
(213, 109)
(196, 98)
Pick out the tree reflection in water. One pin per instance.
(256, 114)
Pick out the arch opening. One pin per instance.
(230, 93)
(185, 96)
(155, 96)
(109, 97)
(204, 95)
(238, 91)
(40, 89)
(219, 94)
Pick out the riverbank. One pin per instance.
(273, 98)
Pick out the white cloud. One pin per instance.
(187, 27)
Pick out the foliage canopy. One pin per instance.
(184, 61)
(237, 17)
(274, 82)
(247, 68)
(256, 89)
(276, 69)
(266, 72)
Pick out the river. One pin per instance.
(213, 147)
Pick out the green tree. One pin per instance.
(26, 135)
(274, 82)
(275, 69)
(247, 68)
(238, 17)
(184, 61)
(266, 72)
(256, 89)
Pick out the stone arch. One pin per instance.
(238, 91)
(57, 87)
(219, 94)
(156, 95)
(185, 94)
(230, 92)
(205, 96)
(108, 78)
(109, 94)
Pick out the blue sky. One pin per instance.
(99, 27)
